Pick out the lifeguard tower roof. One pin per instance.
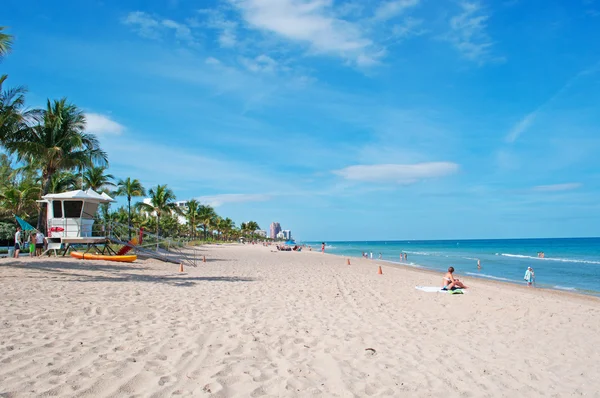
(89, 195)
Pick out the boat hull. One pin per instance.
(90, 256)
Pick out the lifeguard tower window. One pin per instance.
(89, 209)
(72, 208)
(57, 207)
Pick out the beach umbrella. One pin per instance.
(25, 226)
(290, 242)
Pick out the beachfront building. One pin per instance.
(275, 229)
(182, 205)
(260, 232)
(280, 235)
(287, 234)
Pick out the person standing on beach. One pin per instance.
(529, 276)
(32, 244)
(478, 264)
(18, 242)
(405, 257)
(39, 243)
(371, 255)
(323, 247)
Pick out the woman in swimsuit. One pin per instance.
(450, 282)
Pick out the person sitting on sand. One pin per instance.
(450, 282)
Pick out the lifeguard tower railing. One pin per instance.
(148, 245)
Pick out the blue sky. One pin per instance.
(342, 120)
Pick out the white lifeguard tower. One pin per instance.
(70, 217)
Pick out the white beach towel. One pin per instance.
(431, 289)
(434, 289)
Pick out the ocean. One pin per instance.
(571, 264)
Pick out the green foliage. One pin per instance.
(95, 178)
(6, 42)
(7, 231)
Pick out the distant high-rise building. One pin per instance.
(260, 232)
(275, 229)
(287, 234)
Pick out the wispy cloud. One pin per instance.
(227, 28)
(468, 33)
(220, 200)
(391, 9)
(261, 63)
(154, 28)
(525, 123)
(102, 125)
(557, 187)
(398, 173)
(313, 23)
(409, 27)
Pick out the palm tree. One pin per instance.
(252, 226)
(227, 225)
(162, 201)
(206, 214)
(57, 143)
(95, 179)
(63, 181)
(6, 41)
(13, 116)
(191, 215)
(19, 199)
(131, 189)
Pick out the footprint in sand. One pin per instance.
(166, 381)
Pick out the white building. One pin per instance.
(260, 232)
(182, 205)
(280, 235)
(287, 234)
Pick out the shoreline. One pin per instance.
(492, 282)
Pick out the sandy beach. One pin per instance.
(255, 323)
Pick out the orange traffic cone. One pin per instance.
(203, 259)
(348, 262)
(379, 272)
(181, 267)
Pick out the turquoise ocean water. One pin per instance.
(571, 264)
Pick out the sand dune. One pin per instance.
(256, 323)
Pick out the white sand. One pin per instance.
(251, 323)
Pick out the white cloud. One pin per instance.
(182, 32)
(408, 27)
(391, 9)
(468, 33)
(212, 61)
(311, 22)
(219, 200)
(144, 24)
(557, 187)
(101, 125)
(153, 28)
(521, 126)
(398, 173)
(262, 63)
(227, 38)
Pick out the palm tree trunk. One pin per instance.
(129, 215)
(41, 221)
(157, 229)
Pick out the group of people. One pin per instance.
(32, 242)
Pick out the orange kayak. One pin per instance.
(90, 256)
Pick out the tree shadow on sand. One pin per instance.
(116, 274)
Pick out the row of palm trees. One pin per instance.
(54, 153)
